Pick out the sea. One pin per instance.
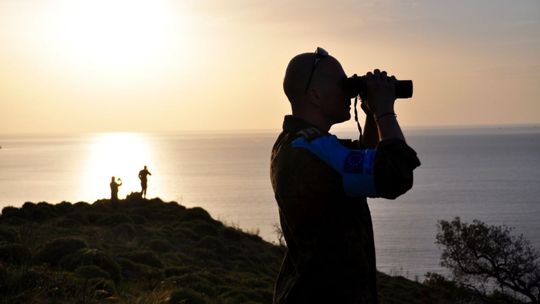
(487, 173)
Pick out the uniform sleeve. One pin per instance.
(382, 172)
(394, 165)
(356, 166)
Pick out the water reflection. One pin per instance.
(115, 154)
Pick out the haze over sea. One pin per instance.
(491, 174)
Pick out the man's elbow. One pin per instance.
(394, 165)
(391, 186)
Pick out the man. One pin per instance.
(143, 176)
(321, 183)
(114, 189)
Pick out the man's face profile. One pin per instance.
(328, 92)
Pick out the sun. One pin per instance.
(117, 37)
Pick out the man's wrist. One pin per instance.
(390, 114)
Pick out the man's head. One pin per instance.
(321, 98)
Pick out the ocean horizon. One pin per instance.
(490, 173)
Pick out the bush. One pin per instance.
(187, 296)
(14, 254)
(68, 223)
(91, 271)
(116, 219)
(178, 271)
(63, 207)
(54, 250)
(196, 213)
(103, 287)
(137, 219)
(36, 212)
(124, 231)
(232, 234)
(145, 258)
(479, 255)
(203, 228)
(129, 269)
(14, 281)
(10, 211)
(93, 217)
(86, 257)
(8, 235)
(184, 234)
(212, 243)
(160, 246)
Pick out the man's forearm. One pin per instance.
(370, 138)
(389, 128)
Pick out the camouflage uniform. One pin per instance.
(324, 213)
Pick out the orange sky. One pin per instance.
(118, 65)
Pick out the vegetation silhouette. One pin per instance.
(488, 259)
(150, 251)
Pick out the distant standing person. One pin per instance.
(115, 183)
(143, 176)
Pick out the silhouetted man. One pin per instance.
(321, 182)
(114, 189)
(143, 176)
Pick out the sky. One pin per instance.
(69, 66)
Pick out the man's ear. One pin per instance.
(314, 97)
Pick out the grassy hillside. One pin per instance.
(149, 251)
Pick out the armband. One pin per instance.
(354, 166)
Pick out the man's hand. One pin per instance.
(380, 92)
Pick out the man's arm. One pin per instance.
(395, 160)
(370, 138)
(380, 101)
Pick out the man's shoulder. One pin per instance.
(309, 134)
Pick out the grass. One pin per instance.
(150, 251)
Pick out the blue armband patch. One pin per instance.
(354, 166)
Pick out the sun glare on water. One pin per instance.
(115, 154)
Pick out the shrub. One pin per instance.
(14, 254)
(116, 219)
(56, 249)
(137, 219)
(187, 296)
(202, 228)
(183, 234)
(14, 281)
(145, 258)
(79, 217)
(196, 213)
(85, 257)
(91, 271)
(124, 231)
(232, 234)
(81, 206)
(103, 287)
(160, 246)
(128, 268)
(8, 235)
(178, 271)
(212, 243)
(10, 211)
(63, 207)
(479, 254)
(35, 212)
(67, 223)
(93, 217)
